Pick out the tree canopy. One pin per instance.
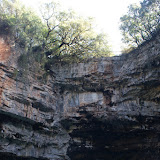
(58, 33)
(141, 22)
(24, 24)
(69, 34)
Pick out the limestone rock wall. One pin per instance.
(101, 109)
(113, 105)
(28, 114)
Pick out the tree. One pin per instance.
(72, 35)
(58, 33)
(141, 22)
(25, 25)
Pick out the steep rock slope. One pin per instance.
(113, 105)
(28, 113)
(101, 109)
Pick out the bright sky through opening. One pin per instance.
(107, 15)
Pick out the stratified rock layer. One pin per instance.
(101, 109)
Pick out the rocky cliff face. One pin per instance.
(101, 109)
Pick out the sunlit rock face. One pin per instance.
(101, 109)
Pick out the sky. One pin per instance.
(107, 15)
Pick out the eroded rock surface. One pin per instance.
(101, 109)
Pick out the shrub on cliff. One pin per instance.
(141, 22)
(5, 27)
(22, 22)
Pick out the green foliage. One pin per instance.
(24, 24)
(68, 34)
(61, 35)
(5, 26)
(127, 49)
(141, 22)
